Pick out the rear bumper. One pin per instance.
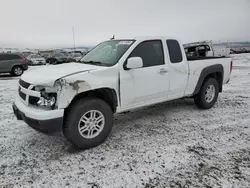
(43, 121)
(39, 63)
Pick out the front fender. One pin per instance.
(75, 84)
(66, 91)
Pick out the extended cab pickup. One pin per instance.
(115, 76)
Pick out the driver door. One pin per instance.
(148, 84)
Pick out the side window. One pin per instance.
(4, 57)
(17, 57)
(151, 53)
(11, 57)
(174, 50)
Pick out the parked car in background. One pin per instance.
(234, 51)
(57, 58)
(35, 59)
(74, 57)
(245, 50)
(26, 54)
(77, 52)
(45, 56)
(13, 63)
(65, 53)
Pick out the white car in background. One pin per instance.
(35, 59)
(75, 57)
(206, 49)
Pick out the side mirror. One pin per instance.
(134, 63)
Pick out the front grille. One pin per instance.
(24, 84)
(21, 94)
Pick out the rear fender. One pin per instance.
(218, 68)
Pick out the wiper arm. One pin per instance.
(92, 62)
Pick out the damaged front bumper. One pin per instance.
(46, 121)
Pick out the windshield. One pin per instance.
(75, 55)
(58, 55)
(107, 53)
(35, 56)
(45, 55)
(26, 54)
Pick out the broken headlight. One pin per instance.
(48, 97)
(47, 100)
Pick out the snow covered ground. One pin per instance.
(168, 145)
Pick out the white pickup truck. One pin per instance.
(114, 77)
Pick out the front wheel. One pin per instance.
(88, 123)
(208, 94)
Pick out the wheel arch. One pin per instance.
(106, 94)
(214, 71)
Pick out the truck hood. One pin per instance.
(47, 75)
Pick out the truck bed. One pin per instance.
(192, 58)
(197, 64)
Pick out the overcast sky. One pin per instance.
(48, 23)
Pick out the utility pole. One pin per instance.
(73, 29)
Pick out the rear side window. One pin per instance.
(13, 56)
(174, 50)
(4, 57)
(151, 53)
(9, 57)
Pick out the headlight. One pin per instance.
(47, 100)
(48, 97)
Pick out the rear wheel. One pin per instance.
(88, 123)
(208, 94)
(17, 71)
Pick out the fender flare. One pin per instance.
(218, 68)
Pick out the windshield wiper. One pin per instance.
(92, 62)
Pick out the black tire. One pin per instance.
(17, 71)
(54, 62)
(200, 99)
(75, 113)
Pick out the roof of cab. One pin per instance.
(142, 38)
(153, 37)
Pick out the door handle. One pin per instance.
(162, 71)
